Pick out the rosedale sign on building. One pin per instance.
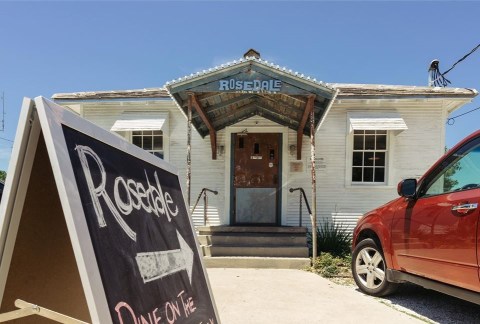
(271, 85)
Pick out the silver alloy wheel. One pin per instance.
(370, 268)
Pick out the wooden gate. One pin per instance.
(256, 179)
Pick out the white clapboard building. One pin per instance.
(250, 142)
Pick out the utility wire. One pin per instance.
(460, 60)
(439, 79)
(5, 139)
(451, 120)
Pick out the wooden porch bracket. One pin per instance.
(303, 122)
(213, 134)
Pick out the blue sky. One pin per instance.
(52, 47)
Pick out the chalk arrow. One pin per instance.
(156, 265)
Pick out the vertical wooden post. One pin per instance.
(314, 185)
(205, 205)
(303, 122)
(300, 210)
(189, 151)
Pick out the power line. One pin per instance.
(460, 60)
(439, 79)
(451, 120)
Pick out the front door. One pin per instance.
(256, 178)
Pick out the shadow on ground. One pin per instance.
(432, 305)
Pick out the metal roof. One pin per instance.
(346, 91)
(216, 108)
(221, 100)
(359, 91)
(245, 61)
(114, 94)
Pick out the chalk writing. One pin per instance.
(150, 198)
(141, 233)
(174, 310)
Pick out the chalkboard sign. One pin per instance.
(130, 230)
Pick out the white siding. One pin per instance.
(412, 152)
(206, 173)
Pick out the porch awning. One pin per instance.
(232, 92)
(235, 91)
(377, 122)
(137, 122)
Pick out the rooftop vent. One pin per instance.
(252, 52)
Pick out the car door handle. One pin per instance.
(465, 208)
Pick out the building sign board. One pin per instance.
(270, 85)
(247, 82)
(133, 240)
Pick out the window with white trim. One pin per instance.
(148, 130)
(369, 157)
(150, 140)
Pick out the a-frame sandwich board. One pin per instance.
(96, 228)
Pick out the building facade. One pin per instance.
(250, 139)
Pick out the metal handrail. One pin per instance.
(205, 203)
(302, 193)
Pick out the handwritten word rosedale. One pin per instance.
(137, 195)
(150, 198)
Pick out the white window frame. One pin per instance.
(152, 136)
(389, 157)
(386, 167)
(127, 135)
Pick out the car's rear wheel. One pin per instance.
(369, 269)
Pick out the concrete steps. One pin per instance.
(271, 251)
(254, 246)
(256, 262)
(251, 240)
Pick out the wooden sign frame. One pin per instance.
(45, 117)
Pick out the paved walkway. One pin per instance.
(279, 296)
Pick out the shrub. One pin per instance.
(327, 265)
(332, 238)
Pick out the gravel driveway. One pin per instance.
(433, 307)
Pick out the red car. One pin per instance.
(429, 236)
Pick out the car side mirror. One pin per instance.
(407, 188)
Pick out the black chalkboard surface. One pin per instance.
(141, 234)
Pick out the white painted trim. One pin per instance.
(330, 105)
(376, 123)
(16, 186)
(444, 129)
(139, 123)
(349, 158)
(228, 154)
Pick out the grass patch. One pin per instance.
(335, 268)
(333, 246)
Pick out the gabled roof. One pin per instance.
(249, 60)
(231, 92)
